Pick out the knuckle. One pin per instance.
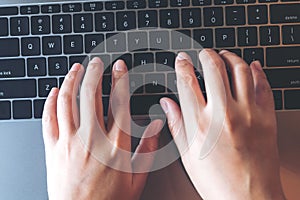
(65, 97)
(71, 76)
(187, 79)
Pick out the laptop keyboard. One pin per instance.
(39, 43)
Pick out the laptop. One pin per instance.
(40, 40)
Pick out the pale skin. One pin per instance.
(243, 164)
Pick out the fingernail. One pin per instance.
(183, 56)
(256, 64)
(164, 105)
(223, 51)
(119, 66)
(53, 92)
(95, 60)
(75, 67)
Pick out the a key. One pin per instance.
(283, 77)
(57, 66)
(291, 34)
(245, 1)
(4, 28)
(114, 5)
(191, 17)
(137, 41)
(83, 23)
(158, 4)
(179, 3)
(52, 8)
(84, 60)
(106, 61)
(72, 7)
(19, 26)
(247, 36)
(11, 88)
(267, 1)
(45, 86)
(29, 10)
(30, 46)
(136, 83)
(136, 4)
(201, 2)
(172, 83)
(127, 58)
(236, 51)
(9, 47)
(106, 84)
(258, 14)
(213, 16)
(292, 99)
(36, 67)
(5, 110)
(8, 11)
(105, 21)
(61, 24)
(22, 109)
(155, 83)
(38, 107)
(235, 15)
(223, 2)
(277, 95)
(283, 56)
(203, 38)
(73, 44)
(225, 37)
(159, 40)
(269, 35)
(40, 25)
(285, 13)
(169, 18)
(94, 43)
(147, 19)
(52, 45)
(252, 54)
(143, 62)
(126, 20)
(116, 42)
(93, 6)
(10, 68)
(165, 61)
(181, 39)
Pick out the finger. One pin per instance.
(144, 155)
(241, 76)
(119, 109)
(65, 112)
(190, 96)
(49, 119)
(88, 116)
(216, 79)
(175, 123)
(263, 91)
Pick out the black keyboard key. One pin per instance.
(277, 95)
(115, 5)
(169, 18)
(83, 23)
(105, 21)
(136, 4)
(29, 10)
(57, 66)
(267, 1)
(253, 54)
(158, 4)
(143, 62)
(159, 40)
(50, 8)
(155, 83)
(213, 16)
(52, 45)
(247, 36)
(36, 67)
(258, 14)
(181, 39)
(106, 84)
(165, 61)
(284, 77)
(137, 41)
(61, 24)
(40, 25)
(136, 83)
(223, 2)
(4, 28)
(38, 107)
(201, 2)
(9, 47)
(84, 60)
(19, 26)
(45, 86)
(72, 7)
(245, 1)
(8, 11)
(93, 6)
(5, 110)
(127, 58)
(10, 68)
(126, 20)
(203, 38)
(11, 88)
(73, 44)
(291, 34)
(143, 104)
(61, 81)
(235, 15)
(236, 51)
(269, 35)
(179, 3)
(225, 37)
(292, 99)
(147, 19)
(191, 17)
(94, 43)
(172, 83)
(283, 56)
(31, 46)
(116, 42)
(285, 13)
(22, 109)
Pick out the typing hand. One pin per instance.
(241, 161)
(84, 158)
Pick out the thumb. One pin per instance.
(143, 157)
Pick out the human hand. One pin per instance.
(242, 161)
(82, 154)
